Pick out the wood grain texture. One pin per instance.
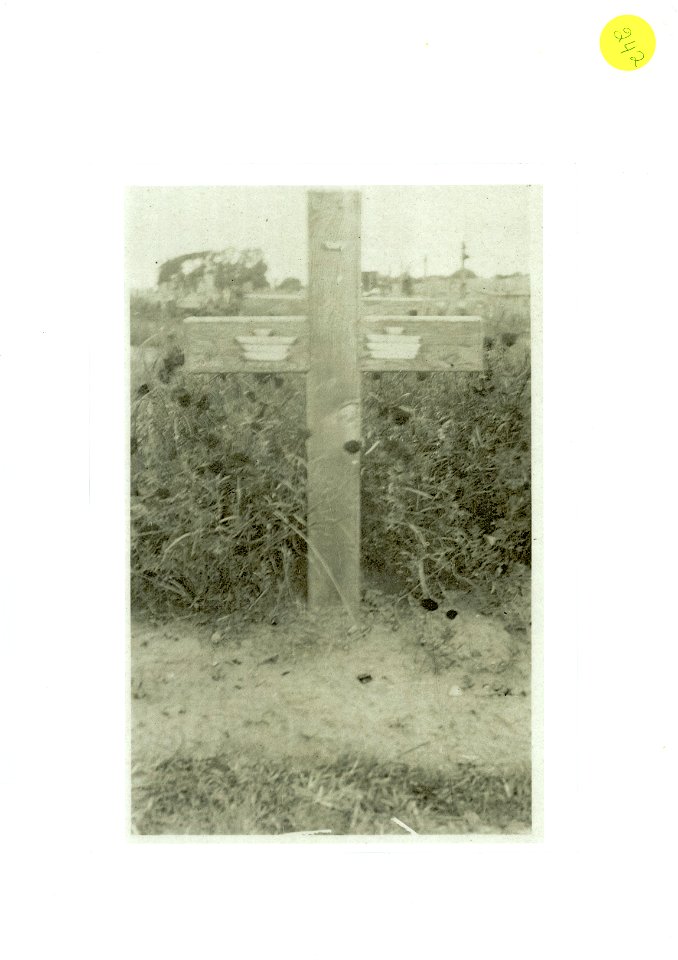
(452, 344)
(333, 400)
(210, 344)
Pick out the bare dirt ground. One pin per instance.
(413, 688)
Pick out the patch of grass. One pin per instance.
(226, 796)
(218, 493)
(446, 489)
(219, 486)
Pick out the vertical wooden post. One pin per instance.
(333, 400)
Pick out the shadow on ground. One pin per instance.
(313, 725)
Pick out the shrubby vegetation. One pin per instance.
(196, 284)
(218, 486)
(214, 270)
(446, 496)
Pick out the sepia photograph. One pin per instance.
(331, 510)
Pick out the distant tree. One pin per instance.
(290, 285)
(211, 272)
(407, 286)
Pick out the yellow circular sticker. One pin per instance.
(627, 42)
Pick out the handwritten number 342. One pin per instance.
(624, 34)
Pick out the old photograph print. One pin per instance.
(331, 520)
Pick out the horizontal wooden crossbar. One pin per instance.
(454, 344)
(211, 345)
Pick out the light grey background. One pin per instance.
(402, 226)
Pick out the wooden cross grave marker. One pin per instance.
(332, 345)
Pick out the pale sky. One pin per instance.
(400, 226)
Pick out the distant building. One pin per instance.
(375, 284)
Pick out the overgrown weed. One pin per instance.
(218, 484)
